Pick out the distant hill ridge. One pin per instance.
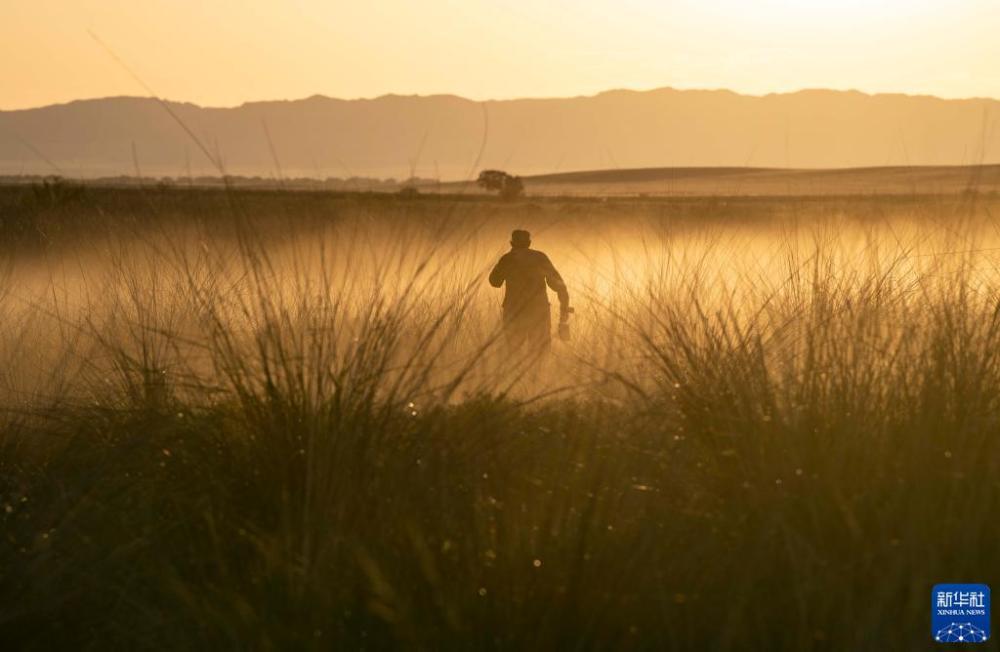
(444, 136)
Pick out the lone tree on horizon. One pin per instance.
(507, 185)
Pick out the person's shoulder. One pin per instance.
(539, 255)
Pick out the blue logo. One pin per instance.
(960, 613)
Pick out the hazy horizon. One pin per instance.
(267, 100)
(442, 137)
(223, 54)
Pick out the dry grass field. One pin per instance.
(278, 420)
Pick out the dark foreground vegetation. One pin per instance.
(783, 465)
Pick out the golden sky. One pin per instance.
(225, 52)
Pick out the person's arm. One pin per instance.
(499, 273)
(555, 281)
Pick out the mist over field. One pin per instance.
(290, 420)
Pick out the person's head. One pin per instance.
(520, 239)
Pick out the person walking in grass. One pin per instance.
(527, 321)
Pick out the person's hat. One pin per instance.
(520, 238)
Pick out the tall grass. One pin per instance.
(774, 432)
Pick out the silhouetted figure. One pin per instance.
(527, 321)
